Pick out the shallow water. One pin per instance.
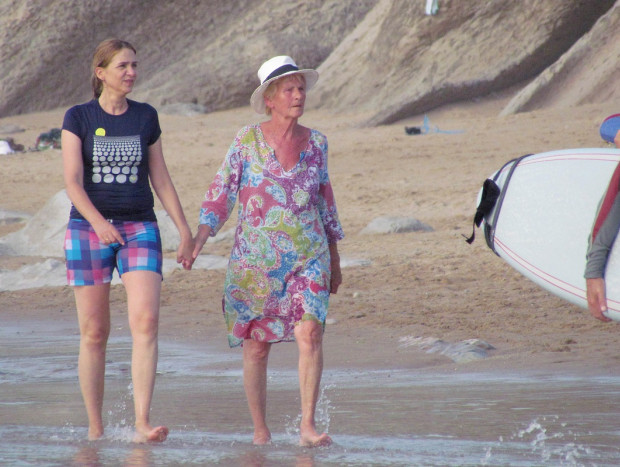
(379, 417)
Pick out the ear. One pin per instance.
(99, 72)
(268, 102)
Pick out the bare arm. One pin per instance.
(336, 279)
(204, 232)
(167, 194)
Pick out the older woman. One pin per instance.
(284, 262)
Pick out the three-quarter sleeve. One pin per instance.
(327, 203)
(221, 196)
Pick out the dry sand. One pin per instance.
(426, 284)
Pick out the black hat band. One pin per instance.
(280, 71)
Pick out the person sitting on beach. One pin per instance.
(600, 247)
(111, 148)
(284, 262)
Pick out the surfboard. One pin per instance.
(539, 214)
(610, 127)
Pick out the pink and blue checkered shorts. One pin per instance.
(91, 262)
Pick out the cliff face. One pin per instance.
(587, 73)
(415, 62)
(382, 57)
(206, 52)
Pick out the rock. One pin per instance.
(354, 262)
(53, 273)
(460, 352)
(169, 234)
(44, 233)
(389, 224)
(9, 128)
(49, 273)
(13, 217)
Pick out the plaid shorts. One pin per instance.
(91, 262)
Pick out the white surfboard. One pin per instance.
(541, 222)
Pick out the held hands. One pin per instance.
(184, 253)
(597, 300)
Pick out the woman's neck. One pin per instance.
(283, 129)
(114, 105)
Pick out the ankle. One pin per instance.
(95, 433)
(262, 436)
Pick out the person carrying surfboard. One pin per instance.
(605, 231)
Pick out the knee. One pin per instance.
(309, 335)
(95, 336)
(257, 354)
(145, 324)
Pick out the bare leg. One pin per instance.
(309, 336)
(93, 309)
(143, 292)
(255, 357)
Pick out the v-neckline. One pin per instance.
(272, 151)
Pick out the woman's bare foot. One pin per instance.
(262, 437)
(315, 440)
(95, 432)
(146, 434)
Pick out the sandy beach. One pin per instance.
(399, 289)
(437, 352)
(421, 284)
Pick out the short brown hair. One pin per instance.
(102, 57)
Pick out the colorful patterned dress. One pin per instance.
(279, 268)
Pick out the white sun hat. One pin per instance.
(275, 68)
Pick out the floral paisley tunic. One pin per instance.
(279, 268)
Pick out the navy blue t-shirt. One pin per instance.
(115, 157)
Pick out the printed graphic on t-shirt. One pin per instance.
(116, 159)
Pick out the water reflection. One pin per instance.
(90, 456)
(376, 417)
(257, 458)
(87, 456)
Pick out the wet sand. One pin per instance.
(390, 414)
